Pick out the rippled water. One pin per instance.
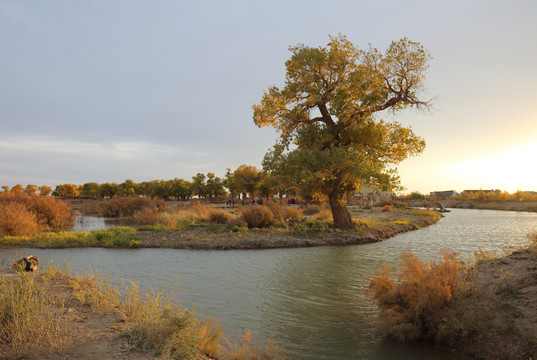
(311, 301)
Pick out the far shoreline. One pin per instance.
(373, 225)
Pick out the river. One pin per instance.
(310, 301)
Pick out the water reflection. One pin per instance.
(89, 223)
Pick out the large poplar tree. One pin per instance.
(327, 113)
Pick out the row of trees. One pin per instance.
(246, 180)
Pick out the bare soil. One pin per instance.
(498, 314)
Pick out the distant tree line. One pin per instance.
(245, 181)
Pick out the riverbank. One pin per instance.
(529, 206)
(486, 309)
(372, 225)
(494, 314)
(53, 315)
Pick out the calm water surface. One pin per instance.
(311, 301)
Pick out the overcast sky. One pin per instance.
(111, 90)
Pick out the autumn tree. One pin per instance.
(31, 189)
(66, 190)
(246, 179)
(327, 113)
(198, 185)
(90, 190)
(108, 190)
(17, 189)
(127, 188)
(215, 185)
(180, 189)
(5, 188)
(230, 184)
(45, 190)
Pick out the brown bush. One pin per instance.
(146, 216)
(258, 216)
(387, 208)
(220, 216)
(292, 215)
(17, 220)
(50, 213)
(201, 210)
(124, 206)
(411, 308)
(277, 210)
(323, 215)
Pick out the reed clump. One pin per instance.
(411, 305)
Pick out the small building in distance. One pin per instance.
(443, 194)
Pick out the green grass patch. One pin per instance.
(236, 229)
(122, 237)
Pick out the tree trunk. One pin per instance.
(340, 213)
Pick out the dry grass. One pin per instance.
(323, 215)
(245, 351)
(29, 320)
(154, 321)
(411, 307)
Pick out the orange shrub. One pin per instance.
(201, 210)
(411, 308)
(146, 216)
(258, 216)
(292, 215)
(220, 216)
(387, 208)
(50, 213)
(277, 210)
(16, 220)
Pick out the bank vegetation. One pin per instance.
(54, 314)
(486, 308)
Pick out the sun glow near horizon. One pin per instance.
(511, 169)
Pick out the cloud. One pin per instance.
(60, 160)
